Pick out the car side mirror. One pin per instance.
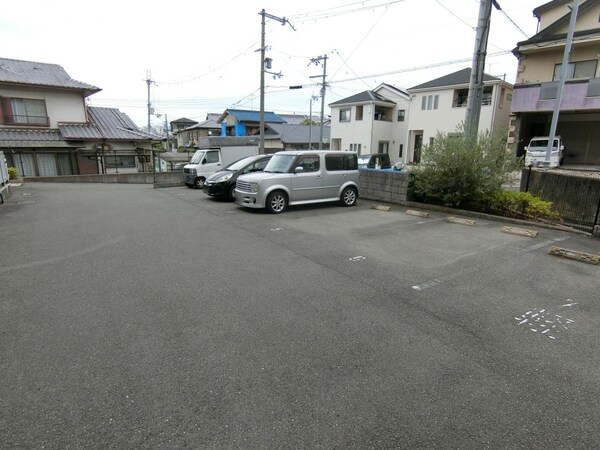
(299, 169)
(204, 161)
(562, 147)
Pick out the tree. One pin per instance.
(308, 121)
(461, 171)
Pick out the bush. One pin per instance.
(12, 173)
(523, 205)
(462, 172)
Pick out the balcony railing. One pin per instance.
(461, 101)
(22, 120)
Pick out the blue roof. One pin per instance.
(243, 115)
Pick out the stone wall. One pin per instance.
(388, 186)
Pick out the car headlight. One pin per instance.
(225, 178)
(254, 187)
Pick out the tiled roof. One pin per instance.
(363, 97)
(105, 123)
(31, 137)
(184, 120)
(242, 115)
(210, 124)
(453, 79)
(40, 74)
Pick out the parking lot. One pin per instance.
(135, 317)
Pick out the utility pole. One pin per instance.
(317, 62)
(149, 81)
(263, 49)
(561, 81)
(477, 68)
(167, 131)
(312, 99)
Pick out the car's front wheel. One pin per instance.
(349, 196)
(276, 202)
(231, 195)
(199, 183)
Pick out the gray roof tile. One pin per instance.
(40, 74)
(363, 97)
(453, 79)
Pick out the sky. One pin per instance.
(202, 55)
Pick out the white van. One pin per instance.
(301, 177)
(536, 152)
(207, 161)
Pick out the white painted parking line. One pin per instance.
(277, 229)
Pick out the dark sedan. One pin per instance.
(222, 183)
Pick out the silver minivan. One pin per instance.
(301, 177)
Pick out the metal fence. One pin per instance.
(576, 196)
(3, 170)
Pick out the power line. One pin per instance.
(325, 15)
(511, 21)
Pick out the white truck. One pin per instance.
(535, 155)
(207, 161)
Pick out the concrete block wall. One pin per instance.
(390, 186)
(162, 178)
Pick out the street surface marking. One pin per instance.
(277, 229)
(63, 258)
(357, 258)
(26, 193)
(427, 285)
(26, 202)
(547, 324)
(545, 243)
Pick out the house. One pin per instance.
(189, 136)
(241, 122)
(182, 123)
(46, 127)
(440, 106)
(540, 60)
(300, 137)
(371, 122)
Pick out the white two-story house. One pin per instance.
(47, 129)
(371, 122)
(440, 105)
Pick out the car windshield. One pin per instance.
(280, 163)
(240, 164)
(364, 159)
(542, 143)
(197, 158)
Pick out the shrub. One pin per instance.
(12, 173)
(523, 205)
(462, 172)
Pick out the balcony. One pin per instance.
(27, 121)
(578, 95)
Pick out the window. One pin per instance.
(212, 157)
(401, 150)
(430, 102)
(359, 112)
(579, 69)
(345, 115)
(309, 163)
(25, 111)
(335, 163)
(401, 114)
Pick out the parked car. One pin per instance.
(373, 161)
(222, 183)
(536, 152)
(207, 161)
(301, 177)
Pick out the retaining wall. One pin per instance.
(388, 186)
(163, 179)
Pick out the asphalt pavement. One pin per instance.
(134, 317)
